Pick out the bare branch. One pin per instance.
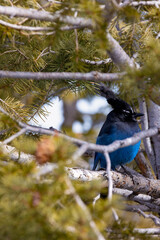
(100, 62)
(80, 152)
(22, 131)
(140, 185)
(110, 182)
(16, 155)
(147, 230)
(135, 208)
(145, 3)
(49, 30)
(127, 194)
(45, 16)
(76, 39)
(91, 76)
(26, 28)
(144, 200)
(155, 219)
(118, 55)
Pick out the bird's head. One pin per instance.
(122, 109)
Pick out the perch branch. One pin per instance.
(142, 185)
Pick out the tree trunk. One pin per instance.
(154, 120)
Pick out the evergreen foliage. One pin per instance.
(46, 208)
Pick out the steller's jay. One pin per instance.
(120, 123)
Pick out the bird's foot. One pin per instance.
(102, 169)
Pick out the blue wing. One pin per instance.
(120, 156)
(106, 136)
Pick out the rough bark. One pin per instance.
(154, 120)
(147, 141)
(135, 183)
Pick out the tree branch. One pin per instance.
(51, 30)
(144, 3)
(118, 55)
(108, 170)
(147, 230)
(91, 76)
(155, 219)
(8, 140)
(135, 183)
(98, 62)
(26, 28)
(99, 148)
(45, 16)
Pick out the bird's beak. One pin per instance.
(138, 115)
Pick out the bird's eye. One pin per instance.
(126, 111)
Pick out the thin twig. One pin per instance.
(76, 38)
(100, 62)
(79, 152)
(26, 28)
(9, 51)
(43, 101)
(110, 182)
(8, 140)
(38, 30)
(155, 219)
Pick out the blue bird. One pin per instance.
(120, 123)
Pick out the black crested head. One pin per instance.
(116, 103)
(120, 107)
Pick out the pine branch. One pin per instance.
(81, 204)
(99, 148)
(148, 187)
